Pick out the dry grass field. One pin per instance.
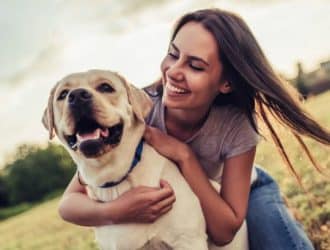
(42, 229)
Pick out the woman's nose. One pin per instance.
(175, 71)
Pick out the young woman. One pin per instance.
(214, 80)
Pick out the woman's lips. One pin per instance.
(174, 90)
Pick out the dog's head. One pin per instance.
(90, 111)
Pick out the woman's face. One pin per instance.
(191, 71)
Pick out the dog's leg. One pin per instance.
(107, 247)
(191, 244)
(155, 245)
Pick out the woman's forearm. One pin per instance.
(222, 223)
(79, 209)
(224, 212)
(138, 205)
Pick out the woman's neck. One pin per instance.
(183, 124)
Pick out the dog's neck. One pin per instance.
(113, 166)
(136, 159)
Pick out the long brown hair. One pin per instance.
(255, 84)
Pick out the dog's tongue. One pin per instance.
(93, 135)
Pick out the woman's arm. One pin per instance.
(76, 207)
(224, 213)
(141, 204)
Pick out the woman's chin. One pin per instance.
(170, 102)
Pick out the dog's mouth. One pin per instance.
(92, 139)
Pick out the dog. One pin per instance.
(99, 118)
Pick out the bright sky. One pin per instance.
(43, 40)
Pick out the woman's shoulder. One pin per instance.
(238, 133)
(230, 120)
(222, 120)
(156, 111)
(152, 94)
(228, 113)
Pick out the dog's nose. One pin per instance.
(79, 96)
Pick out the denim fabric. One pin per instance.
(270, 225)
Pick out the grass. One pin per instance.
(12, 211)
(8, 212)
(41, 227)
(311, 208)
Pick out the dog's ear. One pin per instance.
(140, 101)
(48, 116)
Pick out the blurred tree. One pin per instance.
(4, 201)
(300, 82)
(35, 172)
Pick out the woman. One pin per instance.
(213, 79)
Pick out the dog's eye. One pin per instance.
(63, 94)
(105, 87)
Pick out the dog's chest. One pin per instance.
(133, 236)
(147, 173)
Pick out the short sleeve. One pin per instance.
(151, 116)
(241, 137)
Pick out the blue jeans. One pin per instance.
(270, 226)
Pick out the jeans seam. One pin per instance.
(294, 242)
(278, 210)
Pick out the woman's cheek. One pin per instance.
(163, 69)
(165, 64)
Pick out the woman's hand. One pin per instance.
(167, 145)
(140, 205)
(144, 204)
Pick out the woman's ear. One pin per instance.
(225, 88)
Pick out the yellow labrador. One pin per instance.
(99, 118)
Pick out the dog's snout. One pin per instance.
(79, 96)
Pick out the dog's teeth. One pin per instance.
(105, 132)
(90, 136)
(74, 146)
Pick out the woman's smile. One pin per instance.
(172, 90)
(191, 70)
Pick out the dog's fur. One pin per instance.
(114, 112)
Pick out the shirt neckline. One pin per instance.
(196, 134)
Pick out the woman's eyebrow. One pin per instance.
(174, 46)
(189, 56)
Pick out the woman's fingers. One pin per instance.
(164, 192)
(165, 203)
(167, 145)
(164, 184)
(165, 210)
(160, 208)
(156, 137)
(146, 204)
(147, 134)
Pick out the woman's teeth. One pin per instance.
(176, 89)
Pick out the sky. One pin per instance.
(44, 40)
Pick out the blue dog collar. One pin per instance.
(136, 159)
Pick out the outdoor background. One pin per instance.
(44, 40)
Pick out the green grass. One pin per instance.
(41, 228)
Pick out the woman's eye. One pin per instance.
(197, 68)
(105, 88)
(173, 55)
(63, 94)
